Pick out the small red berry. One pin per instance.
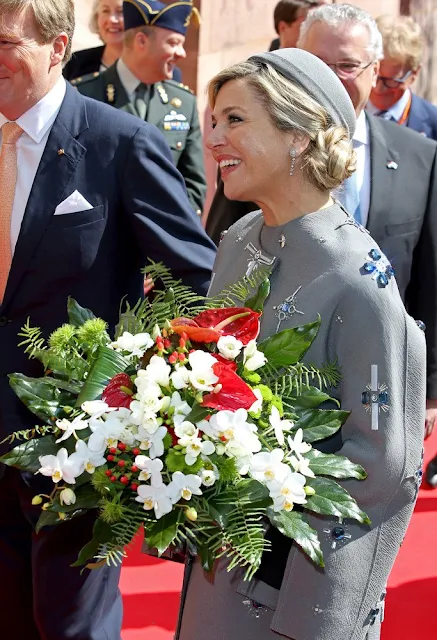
(182, 343)
(108, 473)
(113, 450)
(136, 451)
(124, 480)
(181, 357)
(121, 446)
(134, 468)
(134, 486)
(110, 458)
(113, 478)
(167, 343)
(121, 463)
(184, 335)
(172, 359)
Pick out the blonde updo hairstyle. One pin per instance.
(329, 158)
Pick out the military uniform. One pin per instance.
(171, 107)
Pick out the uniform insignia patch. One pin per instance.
(176, 102)
(110, 93)
(162, 93)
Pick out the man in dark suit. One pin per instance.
(395, 181)
(140, 83)
(391, 97)
(88, 193)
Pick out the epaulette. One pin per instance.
(180, 85)
(87, 78)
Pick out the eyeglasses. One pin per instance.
(393, 83)
(349, 70)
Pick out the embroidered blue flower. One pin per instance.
(379, 267)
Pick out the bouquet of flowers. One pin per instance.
(184, 425)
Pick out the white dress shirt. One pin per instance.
(361, 144)
(127, 79)
(36, 124)
(397, 109)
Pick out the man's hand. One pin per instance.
(149, 284)
(430, 417)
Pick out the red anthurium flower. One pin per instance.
(119, 393)
(234, 393)
(210, 325)
(228, 363)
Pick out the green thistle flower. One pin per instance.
(62, 339)
(227, 468)
(93, 332)
(111, 511)
(100, 481)
(265, 392)
(277, 402)
(251, 376)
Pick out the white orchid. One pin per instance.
(196, 447)
(202, 376)
(279, 425)
(91, 459)
(183, 486)
(96, 408)
(67, 496)
(158, 371)
(70, 428)
(181, 408)
(62, 466)
(252, 358)
(229, 347)
(268, 466)
(134, 345)
(180, 377)
(106, 433)
(208, 477)
(288, 492)
(186, 432)
(232, 427)
(302, 465)
(150, 470)
(258, 404)
(155, 498)
(152, 442)
(297, 445)
(144, 383)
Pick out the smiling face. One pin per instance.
(28, 69)
(110, 22)
(161, 51)
(348, 44)
(253, 155)
(384, 97)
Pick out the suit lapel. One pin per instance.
(383, 168)
(418, 119)
(51, 184)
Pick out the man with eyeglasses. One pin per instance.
(392, 98)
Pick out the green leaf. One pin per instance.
(78, 315)
(162, 533)
(329, 464)
(197, 413)
(257, 301)
(308, 398)
(26, 455)
(46, 519)
(107, 364)
(331, 499)
(294, 525)
(102, 533)
(289, 346)
(318, 424)
(207, 557)
(40, 395)
(252, 494)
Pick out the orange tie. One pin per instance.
(8, 180)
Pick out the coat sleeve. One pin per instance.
(421, 295)
(374, 341)
(156, 204)
(191, 164)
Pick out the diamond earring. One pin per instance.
(293, 160)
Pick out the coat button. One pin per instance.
(3, 321)
(178, 145)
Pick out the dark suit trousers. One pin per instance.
(42, 596)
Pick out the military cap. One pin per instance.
(175, 16)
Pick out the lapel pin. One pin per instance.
(392, 165)
(110, 93)
(61, 152)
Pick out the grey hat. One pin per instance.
(320, 82)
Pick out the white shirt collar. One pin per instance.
(127, 78)
(396, 110)
(361, 135)
(37, 120)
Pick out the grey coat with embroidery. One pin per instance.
(363, 324)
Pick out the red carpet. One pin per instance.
(151, 587)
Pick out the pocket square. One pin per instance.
(73, 204)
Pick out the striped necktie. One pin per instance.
(8, 180)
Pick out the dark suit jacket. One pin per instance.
(168, 98)
(88, 61)
(423, 117)
(402, 219)
(123, 167)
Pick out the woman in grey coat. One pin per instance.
(282, 129)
